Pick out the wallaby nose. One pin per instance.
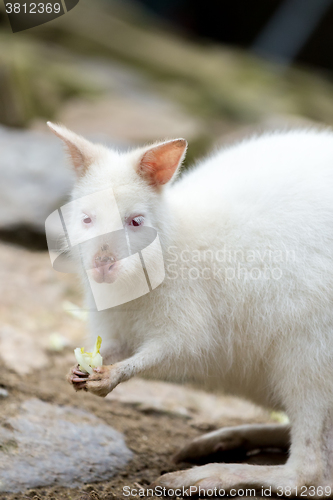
(104, 260)
(103, 263)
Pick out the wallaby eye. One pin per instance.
(137, 221)
(86, 219)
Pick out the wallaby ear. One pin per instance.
(159, 163)
(81, 151)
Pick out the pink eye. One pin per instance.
(137, 221)
(87, 220)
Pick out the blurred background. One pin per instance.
(132, 71)
(126, 72)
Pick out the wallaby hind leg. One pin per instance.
(309, 465)
(245, 437)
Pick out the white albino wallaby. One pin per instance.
(247, 301)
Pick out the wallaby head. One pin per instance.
(117, 197)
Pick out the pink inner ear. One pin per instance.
(159, 163)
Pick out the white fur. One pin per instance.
(268, 204)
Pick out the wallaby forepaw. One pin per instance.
(103, 380)
(77, 378)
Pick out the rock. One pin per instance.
(31, 308)
(120, 115)
(3, 393)
(34, 179)
(46, 444)
(187, 402)
(20, 351)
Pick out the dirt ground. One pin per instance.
(153, 436)
(33, 306)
